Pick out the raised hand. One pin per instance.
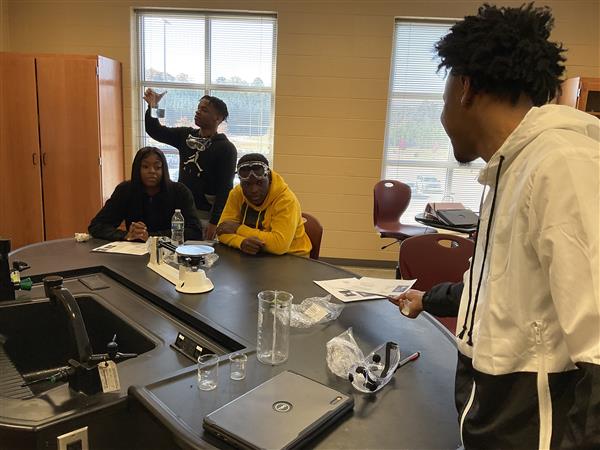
(152, 97)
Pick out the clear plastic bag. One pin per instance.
(313, 311)
(209, 260)
(343, 353)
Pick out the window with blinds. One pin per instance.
(192, 54)
(417, 149)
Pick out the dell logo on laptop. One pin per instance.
(282, 406)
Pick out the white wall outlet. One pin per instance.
(69, 441)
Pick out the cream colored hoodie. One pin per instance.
(538, 308)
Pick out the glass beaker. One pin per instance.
(157, 113)
(208, 372)
(273, 333)
(237, 366)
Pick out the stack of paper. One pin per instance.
(365, 288)
(124, 247)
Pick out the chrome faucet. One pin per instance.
(81, 370)
(81, 350)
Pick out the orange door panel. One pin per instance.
(70, 143)
(21, 216)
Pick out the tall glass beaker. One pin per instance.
(273, 334)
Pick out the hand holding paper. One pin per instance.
(366, 288)
(409, 302)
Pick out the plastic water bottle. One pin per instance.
(177, 227)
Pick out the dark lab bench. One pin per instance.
(415, 410)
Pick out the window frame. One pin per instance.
(450, 164)
(208, 87)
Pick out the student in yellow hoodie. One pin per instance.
(262, 213)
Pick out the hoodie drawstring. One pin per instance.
(245, 211)
(485, 249)
(464, 326)
(256, 225)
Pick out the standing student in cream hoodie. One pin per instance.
(528, 335)
(262, 213)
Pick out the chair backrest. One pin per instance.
(314, 230)
(390, 200)
(434, 258)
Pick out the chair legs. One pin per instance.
(391, 243)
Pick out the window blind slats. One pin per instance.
(242, 46)
(417, 149)
(228, 56)
(173, 49)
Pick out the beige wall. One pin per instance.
(4, 25)
(332, 80)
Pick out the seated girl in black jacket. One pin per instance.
(146, 203)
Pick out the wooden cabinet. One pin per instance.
(581, 93)
(61, 143)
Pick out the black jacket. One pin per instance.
(132, 205)
(215, 169)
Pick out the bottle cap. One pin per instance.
(26, 284)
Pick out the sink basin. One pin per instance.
(33, 338)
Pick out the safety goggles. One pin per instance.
(197, 143)
(259, 169)
(377, 369)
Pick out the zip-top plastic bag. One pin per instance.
(342, 353)
(314, 311)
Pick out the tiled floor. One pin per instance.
(371, 272)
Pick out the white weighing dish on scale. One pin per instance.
(192, 279)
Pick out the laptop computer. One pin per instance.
(281, 413)
(458, 217)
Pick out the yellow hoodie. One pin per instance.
(277, 222)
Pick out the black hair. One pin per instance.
(253, 157)
(506, 52)
(219, 106)
(136, 178)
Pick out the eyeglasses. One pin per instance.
(198, 143)
(259, 169)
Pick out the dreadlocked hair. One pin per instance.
(506, 52)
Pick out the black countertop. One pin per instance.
(415, 410)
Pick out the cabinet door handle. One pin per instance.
(44, 158)
(34, 159)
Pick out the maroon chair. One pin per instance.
(433, 259)
(314, 230)
(390, 200)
